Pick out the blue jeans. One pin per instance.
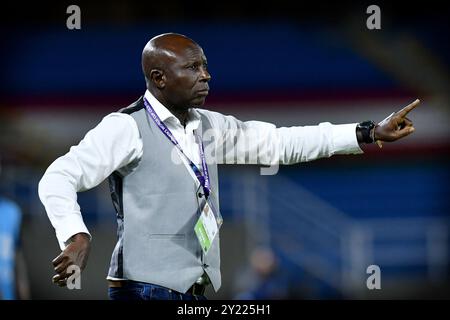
(133, 290)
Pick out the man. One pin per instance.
(160, 155)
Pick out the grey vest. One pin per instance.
(157, 206)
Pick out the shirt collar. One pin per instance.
(166, 116)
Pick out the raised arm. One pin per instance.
(257, 142)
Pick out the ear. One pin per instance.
(158, 78)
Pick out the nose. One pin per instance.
(205, 76)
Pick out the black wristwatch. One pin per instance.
(365, 128)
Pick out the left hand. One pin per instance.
(395, 126)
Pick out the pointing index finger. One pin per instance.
(408, 108)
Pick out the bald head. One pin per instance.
(162, 50)
(175, 70)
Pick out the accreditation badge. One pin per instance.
(208, 225)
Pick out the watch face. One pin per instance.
(365, 128)
(368, 124)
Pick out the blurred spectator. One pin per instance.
(13, 275)
(264, 280)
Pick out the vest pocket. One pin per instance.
(167, 236)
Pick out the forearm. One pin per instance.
(58, 195)
(257, 142)
(113, 144)
(301, 144)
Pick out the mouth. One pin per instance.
(203, 92)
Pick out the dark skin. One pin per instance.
(396, 126)
(176, 73)
(76, 253)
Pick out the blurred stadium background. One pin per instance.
(319, 224)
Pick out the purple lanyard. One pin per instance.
(203, 178)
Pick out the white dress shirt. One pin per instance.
(115, 142)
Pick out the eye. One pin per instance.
(193, 67)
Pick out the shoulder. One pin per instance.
(117, 118)
(122, 119)
(219, 120)
(208, 113)
(134, 107)
(216, 118)
(118, 125)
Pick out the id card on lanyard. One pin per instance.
(210, 219)
(208, 224)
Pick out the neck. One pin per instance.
(181, 114)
